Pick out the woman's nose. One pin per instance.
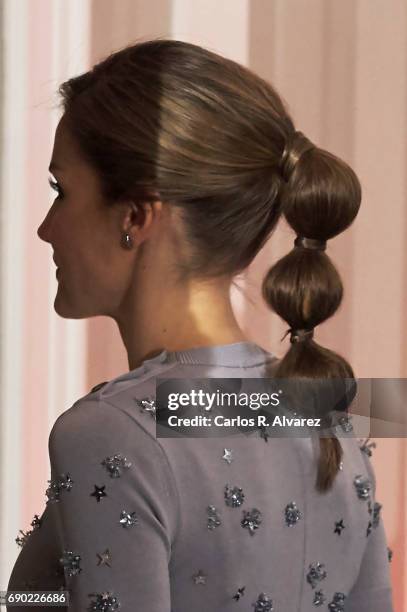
(42, 231)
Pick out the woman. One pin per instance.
(173, 166)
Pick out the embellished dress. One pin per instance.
(142, 523)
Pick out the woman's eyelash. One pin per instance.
(54, 185)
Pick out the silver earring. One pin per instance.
(127, 242)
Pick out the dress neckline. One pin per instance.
(244, 353)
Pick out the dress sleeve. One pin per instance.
(372, 591)
(116, 507)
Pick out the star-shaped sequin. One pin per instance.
(116, 464)
(292, 514)
(316, 573)
(36, 522)
(337, 604)
(99, 492)
(105, 602)
(363, 486)
(376, 514)
(228, 455)
(234, 497)
(366, 447)
(339, 526)
(213, 520)
(239, 593)
(128, 519)
(199, 577)
(263, 603)
(147, 404)
(251, 520)
(104, 558)
(71, 562)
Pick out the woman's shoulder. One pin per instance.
(120, 392)
(112, 407)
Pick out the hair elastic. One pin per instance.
(310, 243)
(299, 335)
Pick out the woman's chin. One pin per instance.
(71, 311)
(63, 309)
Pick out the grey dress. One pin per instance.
(138, 522)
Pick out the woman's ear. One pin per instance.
(140, 218)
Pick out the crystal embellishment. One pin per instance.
(213, 518)
(263, 603)
(21, 540)
(319, 598)
(199, 577)
(56, 486)
(234, 497)
(116, 464)
(251, 520)
(147, 404)
(363, 486)
(292, 514)
(345, 423)
(316, 573)
(338, 602)
(228, 455)
(104, 602)
(71, 563)
(128, 519)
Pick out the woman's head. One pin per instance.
(204, 132)
(86, 232)
(214, 143)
